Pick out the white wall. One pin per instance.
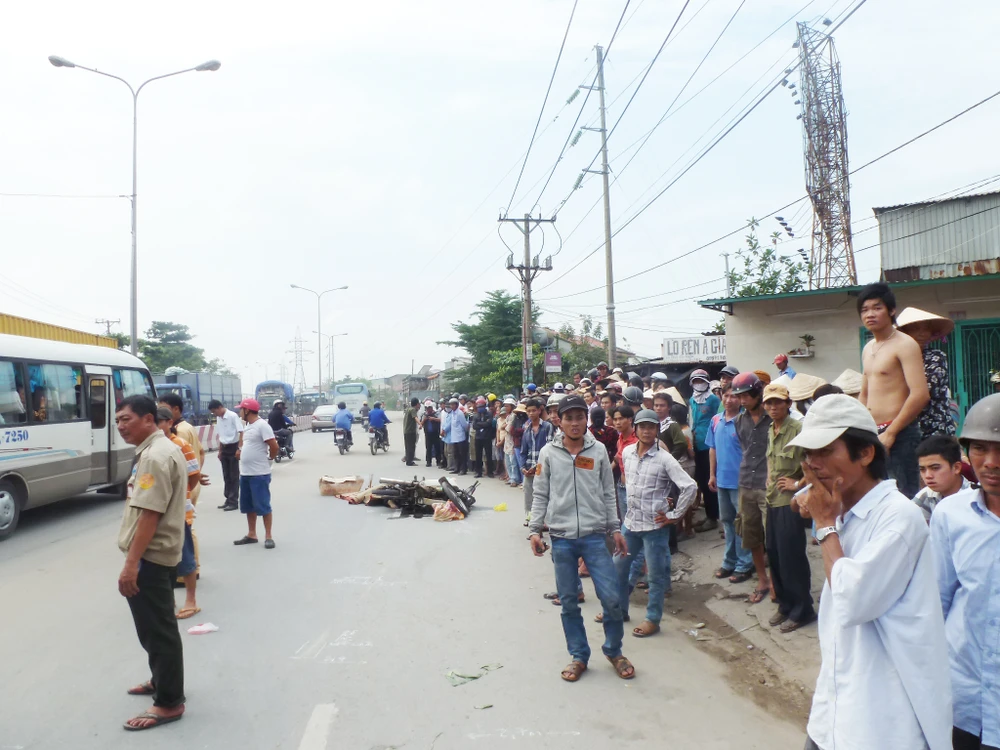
(758, 330)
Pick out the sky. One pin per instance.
(374, 145)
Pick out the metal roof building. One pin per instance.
(940, 239)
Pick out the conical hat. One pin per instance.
(675, 395)
(941, 326)
(803, 386)
(849, 381)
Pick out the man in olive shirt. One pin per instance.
(152, 537)
(410, 432)
(785, 537)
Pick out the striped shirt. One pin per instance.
(193, 469)
(650, 480)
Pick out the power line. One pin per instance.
(544, 102)
(56, 195)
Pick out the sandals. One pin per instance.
(746, 575)
(758, 595)
(646, 629)
(623, 667)
(187, 612)
(558, 603)
(156, 720)
(145, 688)
(724, 573)
(600, 618)
(643, 585)
(573, 671)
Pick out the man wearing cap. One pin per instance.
(704, 405)
(258, 447)
(537, 432)
(785, 541)
(455, 431)
(152, 539)
(531, 389)
(893, 386)
(781, 362)
(602, 370)
(925, 328)
(884, 679)
(659, 493)
(965, 535)
(574, 495)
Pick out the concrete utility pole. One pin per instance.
(608, 262)
(526, 273)
(107, 324)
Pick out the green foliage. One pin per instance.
(583, 355)
(168, 345)
(495, 329)
(123, 339)
(762, 271)
(218, 367)
(720, 325)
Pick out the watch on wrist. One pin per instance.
(824, 532)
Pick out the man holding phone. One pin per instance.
(659, 493)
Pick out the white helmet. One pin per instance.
(658, 376)
(559, 388)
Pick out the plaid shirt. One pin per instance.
(649, 481)
(532, 443)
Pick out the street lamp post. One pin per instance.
(331, 337)
(61, 62)
(319, 324)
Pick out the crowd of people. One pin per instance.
(613, 468)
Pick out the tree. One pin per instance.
(168, 345)
(123, 340)
(720, 325)
(764, 271)
(218, 367)
(496, 328)
(582, 355)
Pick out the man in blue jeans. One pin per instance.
(659, 493)
(725, 455)
(574, 493)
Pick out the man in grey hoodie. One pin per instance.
(574, 493)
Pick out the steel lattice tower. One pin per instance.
(824, 135)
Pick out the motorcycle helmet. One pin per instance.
(491, 397)
(747, 382)
(378, 404)
(559, 388)
(465, 396)
(982, 422)
(659, 376)
(480, 401)
(699, 374)
(633, 395)
(729, 371)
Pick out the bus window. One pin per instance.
(131, 383)
(12, 409)
(56, 392)
(98, 402)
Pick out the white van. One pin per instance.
(57, 421)
(352, 394)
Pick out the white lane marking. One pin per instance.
(365, 581)
(318, 729)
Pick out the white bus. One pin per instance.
(57, 421)
(352, 394)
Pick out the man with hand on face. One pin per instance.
(884, 680)
(574, 494)
(651, 475)
(152, 538)
(965, 535)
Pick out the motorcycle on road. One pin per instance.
(341, 441)
(376, 441)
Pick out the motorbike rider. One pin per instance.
(280, 423)
(363, 412)
(377, 418)
(344, 420)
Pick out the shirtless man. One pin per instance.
(893, 384)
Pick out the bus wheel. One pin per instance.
(10, 508)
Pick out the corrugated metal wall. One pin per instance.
(11, 324)
(950, 237)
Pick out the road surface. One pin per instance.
(341, 636)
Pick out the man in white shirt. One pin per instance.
(228, 428)
(258, 447)
(884, 681)
(940, 460)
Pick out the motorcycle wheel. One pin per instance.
(455, 498)
(291, 454)
(277, 459)
(373, 448)
(341, 449)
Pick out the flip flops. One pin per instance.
(188, 612)
(156, 719)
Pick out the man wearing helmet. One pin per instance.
(704, 405)
(280, 423)
(484, 428)
(752, 431)
(965, 536)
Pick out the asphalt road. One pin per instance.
(341, 636)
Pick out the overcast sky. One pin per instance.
(374, 144)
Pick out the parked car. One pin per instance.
(322, 418)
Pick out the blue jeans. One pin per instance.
(903, 460)
(594, 551)
(513, 469)
(656, 545)
(735, 557)
(640, 560)
(255, 494)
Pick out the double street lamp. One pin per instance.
(331, 337)
(319, 324)
(61, 62)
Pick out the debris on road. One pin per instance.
(339, 486)
(203, 629)
(447, 511)
(484, 706)
(416, 497)
(457, 678)
(500, 507)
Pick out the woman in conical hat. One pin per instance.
(925, 327)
